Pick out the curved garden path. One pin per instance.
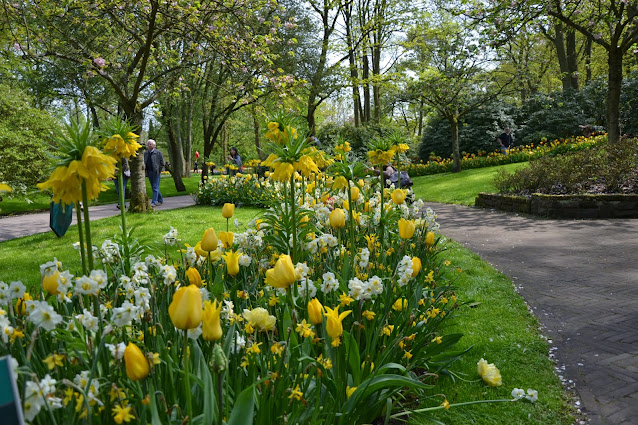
(580, 278)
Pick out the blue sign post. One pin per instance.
(10, 408)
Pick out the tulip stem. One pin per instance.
(120, 183)
(189, 403)
(381, 221)
(87, 225)
(294, 218)
(220, 398)
(353, 250)
(79, 220)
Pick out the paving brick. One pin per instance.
(579, 278)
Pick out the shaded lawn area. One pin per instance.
(40, 201)
(459, 188)
(20, 258)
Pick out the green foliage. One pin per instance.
(25, 136)
(477, 131)
(332, 134)
(629, 105)
(606, 168)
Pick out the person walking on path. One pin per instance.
(506, 141)
(154, 163)
(126, 173)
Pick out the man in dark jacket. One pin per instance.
(154, 163)
(506, 141)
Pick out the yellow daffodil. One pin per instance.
(232, 261)
(406, 228)
(211, 325)
(209, 240)
(193, 277)
(334, 325)
(228, 210)
(122, 413)
(227, 239)
(337, 218)
(283, 274)
(315, 311)
(136, 364)
(185, 309)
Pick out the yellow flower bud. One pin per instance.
(21, 304)
(406, 228)
(193, 277)
(283, 274)
(228, 210)
(50, 283)
(334, 325)
(211, 325)
(354, 193)
(429, 238)
(416, 266)
(398, 196)
(315, 311)
(209, 240)
(136, 364)
(232, 262)
(186, 308)
(337, 218)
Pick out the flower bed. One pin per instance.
(328, 309)
(517, 154)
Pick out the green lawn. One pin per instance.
(40, 201)
(499, 328)
(20, 258)
(459, 188)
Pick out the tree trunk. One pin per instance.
(253, 113)
(615, 61)
(188, 148)
(354, 74)
(420, 116)
(366, 89)
(561, 53)
(139, 198)
(572, 59)
(175, 147)
(454, 127)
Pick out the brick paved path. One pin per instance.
(581, 280)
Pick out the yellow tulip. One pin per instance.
(429, 238)
(211, 325)
(406, 228)
(232, 261)
(193, 277)
(334, 327)
(315, 311)
(283, 274)
(227, 239)
(228, 210)
(354, 193)
(21, 304)
(337, 218)
(209, 240)
(186, 308)
(50, 283)
(366, 207)
(136, 364)
(416, 266)
(398, 196)
(346, 205)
